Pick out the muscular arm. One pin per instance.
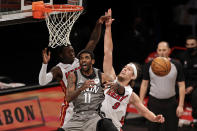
(134, 99)
(108, 49)
(71, 93)
(143, 89)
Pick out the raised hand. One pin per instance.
(103, 18)
(109, 21)
(46, 56)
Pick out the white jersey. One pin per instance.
(67, 112)
(114, 106)
(67, 68)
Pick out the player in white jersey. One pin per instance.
(69, 63)
(114, 105)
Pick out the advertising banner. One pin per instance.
(31, 110)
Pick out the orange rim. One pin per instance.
(62, 8)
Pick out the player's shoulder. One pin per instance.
(175, 61)
(62, 65)
(128, 89)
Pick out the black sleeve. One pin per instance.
(180, 73)
(145, 71)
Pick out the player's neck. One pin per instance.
(123, 82)
(67, 62)
(88, 72)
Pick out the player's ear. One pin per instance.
(93, 61)
(133, 77)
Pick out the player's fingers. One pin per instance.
(44, 51)
(160, 118)
(49, 53)
(109, 11)
(178, 113)
(91, 82)
(105, 13)
(108, 84)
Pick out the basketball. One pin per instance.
(161, 66)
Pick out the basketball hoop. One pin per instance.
(60, 20)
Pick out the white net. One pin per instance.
(59, 24)
(75, 2)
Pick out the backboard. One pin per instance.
(20, 11)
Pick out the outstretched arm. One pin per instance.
(108, 49)
(95, 36)
(134, 99)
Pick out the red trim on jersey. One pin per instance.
(122, 120)
(63, 113)
(63, 86)
(66, 104)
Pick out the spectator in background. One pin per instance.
(189, 61)
(162, 95)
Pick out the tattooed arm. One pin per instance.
(71, 92)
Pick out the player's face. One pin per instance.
(191, 43)
(127, 73)
(163, 50)
(86, 62)
(68, 54)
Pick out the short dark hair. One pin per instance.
(85, 51)
(191, 37)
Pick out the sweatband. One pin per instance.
(134, 69)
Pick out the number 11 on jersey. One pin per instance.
(87, 97)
